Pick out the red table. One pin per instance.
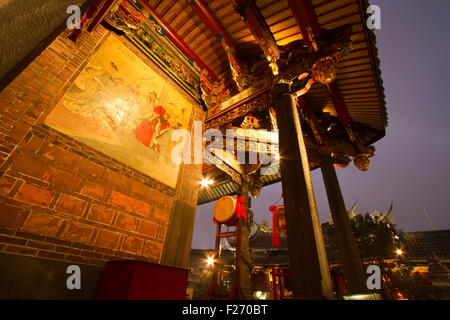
(138, 280)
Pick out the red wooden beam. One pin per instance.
(305, 15)
(176, 39)
(208, 17)
(339, 104)
(259, 29)
(89, 14)
(299, 14)
(107, 5)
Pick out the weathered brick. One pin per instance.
(140, 189)
(18, 241)
(29, 235)
(125, 255)
(97, 262)
(7, 231)
(63, 156)
(81, 246)
(62, 178)
(21, 250)
(101, 214)
(162, 232)
(94, 190)
(18, 132)
(117, 180)
(107, 239)
(106, 252)
(34, 144)
(51, 255)
(77, 259)
(152, 250)
(6, 183)
(159, 199)
(91, 254)
(68, 250)
(77, 232)
(70, 205)
(161, 214)
(148, 228)
(59, 242)
(40, 245)
(42, 224)
(132, 245)
(134, 205)
(90, 168)
(127, 222)
(33, 194)
(29, 166)
(11, 217)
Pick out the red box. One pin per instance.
(138, 280)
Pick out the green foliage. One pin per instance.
(377, 239)
(412, 286)
(375, 235)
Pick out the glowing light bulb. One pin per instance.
(210, 261)
(205, 182)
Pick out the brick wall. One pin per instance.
(60, 199)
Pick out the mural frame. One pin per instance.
(167, 78)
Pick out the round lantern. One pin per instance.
(362, 162)
(324, 70)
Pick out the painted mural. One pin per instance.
(120, 106)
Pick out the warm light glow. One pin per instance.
(210, 261)
(206, 182)
(261, 295)
(364, 296)
(399, 252)
(277, 157)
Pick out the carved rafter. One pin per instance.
(238, 69)
(256, 23)
(176, 39)
(261, 102)
(310, 28)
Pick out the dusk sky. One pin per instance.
(411, 165)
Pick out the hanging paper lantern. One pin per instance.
(275, 237)
(281, 221)
(324, 70)
(278, 224)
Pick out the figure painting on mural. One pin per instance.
(121, 107)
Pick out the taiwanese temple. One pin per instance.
(91, 108)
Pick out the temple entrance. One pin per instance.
(116, 127)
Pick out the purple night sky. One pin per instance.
(411, 163)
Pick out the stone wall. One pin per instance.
(27, 25)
